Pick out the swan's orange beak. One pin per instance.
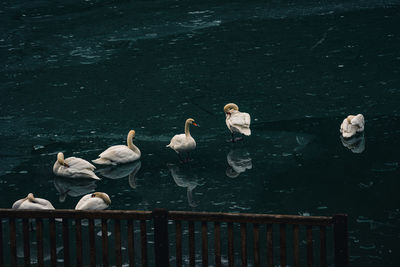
(195, 124)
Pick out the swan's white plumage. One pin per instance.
(94, 201)
(183, 142)
(30, 202)
(120, 154)
(352, 125)
(237, 121)
(73, 167)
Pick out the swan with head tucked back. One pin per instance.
(237, 121)
(352, 125)
(73, 167)
(32, 203)
(182, 143)
(120, 154)
(94, 201)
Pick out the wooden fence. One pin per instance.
(162, 231)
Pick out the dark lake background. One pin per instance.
(76, 76)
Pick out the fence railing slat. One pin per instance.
(296, 249)
(231, 258)
(92, 244)
(104, 239)
(143, 238)
(131, 243)
(65, 231)
(282, 229)
(204, 243)
(39, 241)
(309, 246)
(27, 252)
(178, 233)
(53, 244)
(256, 241)
(78, 243)
(341, 240)
(270, 248)
(191, 244)
(322, 240)
(118, 252)
(217, 243)
(243, 244)
(161, 241)
(13, 242)
(1, 244)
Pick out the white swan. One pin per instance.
(73, 167)
(120, 154)
(237, 121)
(182, 143)
(352, 125)
(32, 203)
(94, 201)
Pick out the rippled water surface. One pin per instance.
(76, 76)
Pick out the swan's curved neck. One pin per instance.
(60, 158)
(187, 130)
(130, 144)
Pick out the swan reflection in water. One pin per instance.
(184, 177)
(239, 161)
(73, 187)
(121, 171)
(356, 143)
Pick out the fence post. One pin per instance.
(160, 217)
(341, 240)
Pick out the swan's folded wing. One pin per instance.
(241, 119)
(79, 164)
(116, 152)
(358, 120)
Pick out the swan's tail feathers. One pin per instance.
(245, 131)
(168, 145)
(102, 161)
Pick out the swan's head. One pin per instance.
(30, 197)
(229, 107)
(60, 159)
(103, 196)
(349, 118)
(191, 121)
(132, 134)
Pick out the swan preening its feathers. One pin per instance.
(94, 201)
(120, 154)
(73, 167)
(182, 143)
(32, 203)
(352, 125)
(237, 121)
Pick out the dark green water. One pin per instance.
(76, 76)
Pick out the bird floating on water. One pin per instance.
(237, 121)
(352, 125)
(73, 167)
(184, 143)
(120, 154)
(32, 203)
(94, 201)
